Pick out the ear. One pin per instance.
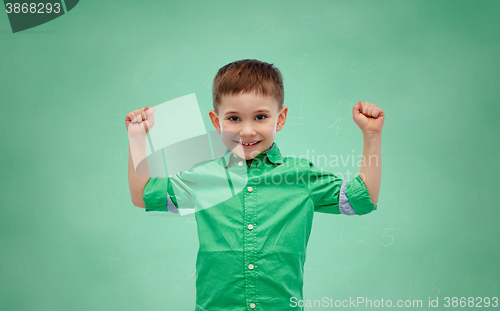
(281, 118)
(215, 120)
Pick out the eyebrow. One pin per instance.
(236, 112)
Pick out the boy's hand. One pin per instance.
(139, 122)
(368, 117)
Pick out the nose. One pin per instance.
(247, 130)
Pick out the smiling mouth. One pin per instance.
(249, 144)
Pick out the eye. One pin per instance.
(232, 118)
(261, 117)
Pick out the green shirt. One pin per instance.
(254, 224)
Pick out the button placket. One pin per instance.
(250, 240)
(237, 165)
(256, 167)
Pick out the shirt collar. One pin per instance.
(273, 154)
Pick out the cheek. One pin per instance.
(272, 126)
(228, 135)
(269, 131)
(228, 132)
(224, 126)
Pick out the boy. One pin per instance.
(254, 220)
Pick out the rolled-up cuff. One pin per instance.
(156, 196)
(171, 206)
(358, 197)
(344, 204)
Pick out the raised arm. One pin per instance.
(370, 169)
(138, 124)
(370, 119)
(136, 182)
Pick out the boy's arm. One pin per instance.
(136, 182)
(370, 119)
(370, 169)
(138, 124)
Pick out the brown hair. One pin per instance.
(248, 75)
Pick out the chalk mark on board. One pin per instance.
(271, 21)
(340, 239)
(156, 275)
(303, 28)
(300, 110)
(354, 63)
(207, 81)
(439, 291)
(344, 277)
(120, 114)
(410, 292)
(306, 283)
(189, 220)
(364, 240)
(181, 82)
(189, 275)
(387, 235)
(111, 260)
(341, 23)
(117, 226)
(116, 86)
(119, 155)
(368, 66)
(302, 62)
(336, 124)
(338, 64)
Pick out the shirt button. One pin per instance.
(250, 189)
(235, 155)
(250, 227)
(252, 305)
(240, 163)
(250, 266)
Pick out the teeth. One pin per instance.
(250, 144)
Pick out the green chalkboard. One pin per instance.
(70, 237)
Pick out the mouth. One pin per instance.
(249, 145)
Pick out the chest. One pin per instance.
(269, 210)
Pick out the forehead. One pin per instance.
(247, 102)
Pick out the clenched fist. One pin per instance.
(139, 122)
(368, 117)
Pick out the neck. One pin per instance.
(249, 162)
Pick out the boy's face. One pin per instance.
(245, 119)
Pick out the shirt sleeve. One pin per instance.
(169, 194)
(334, 195)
